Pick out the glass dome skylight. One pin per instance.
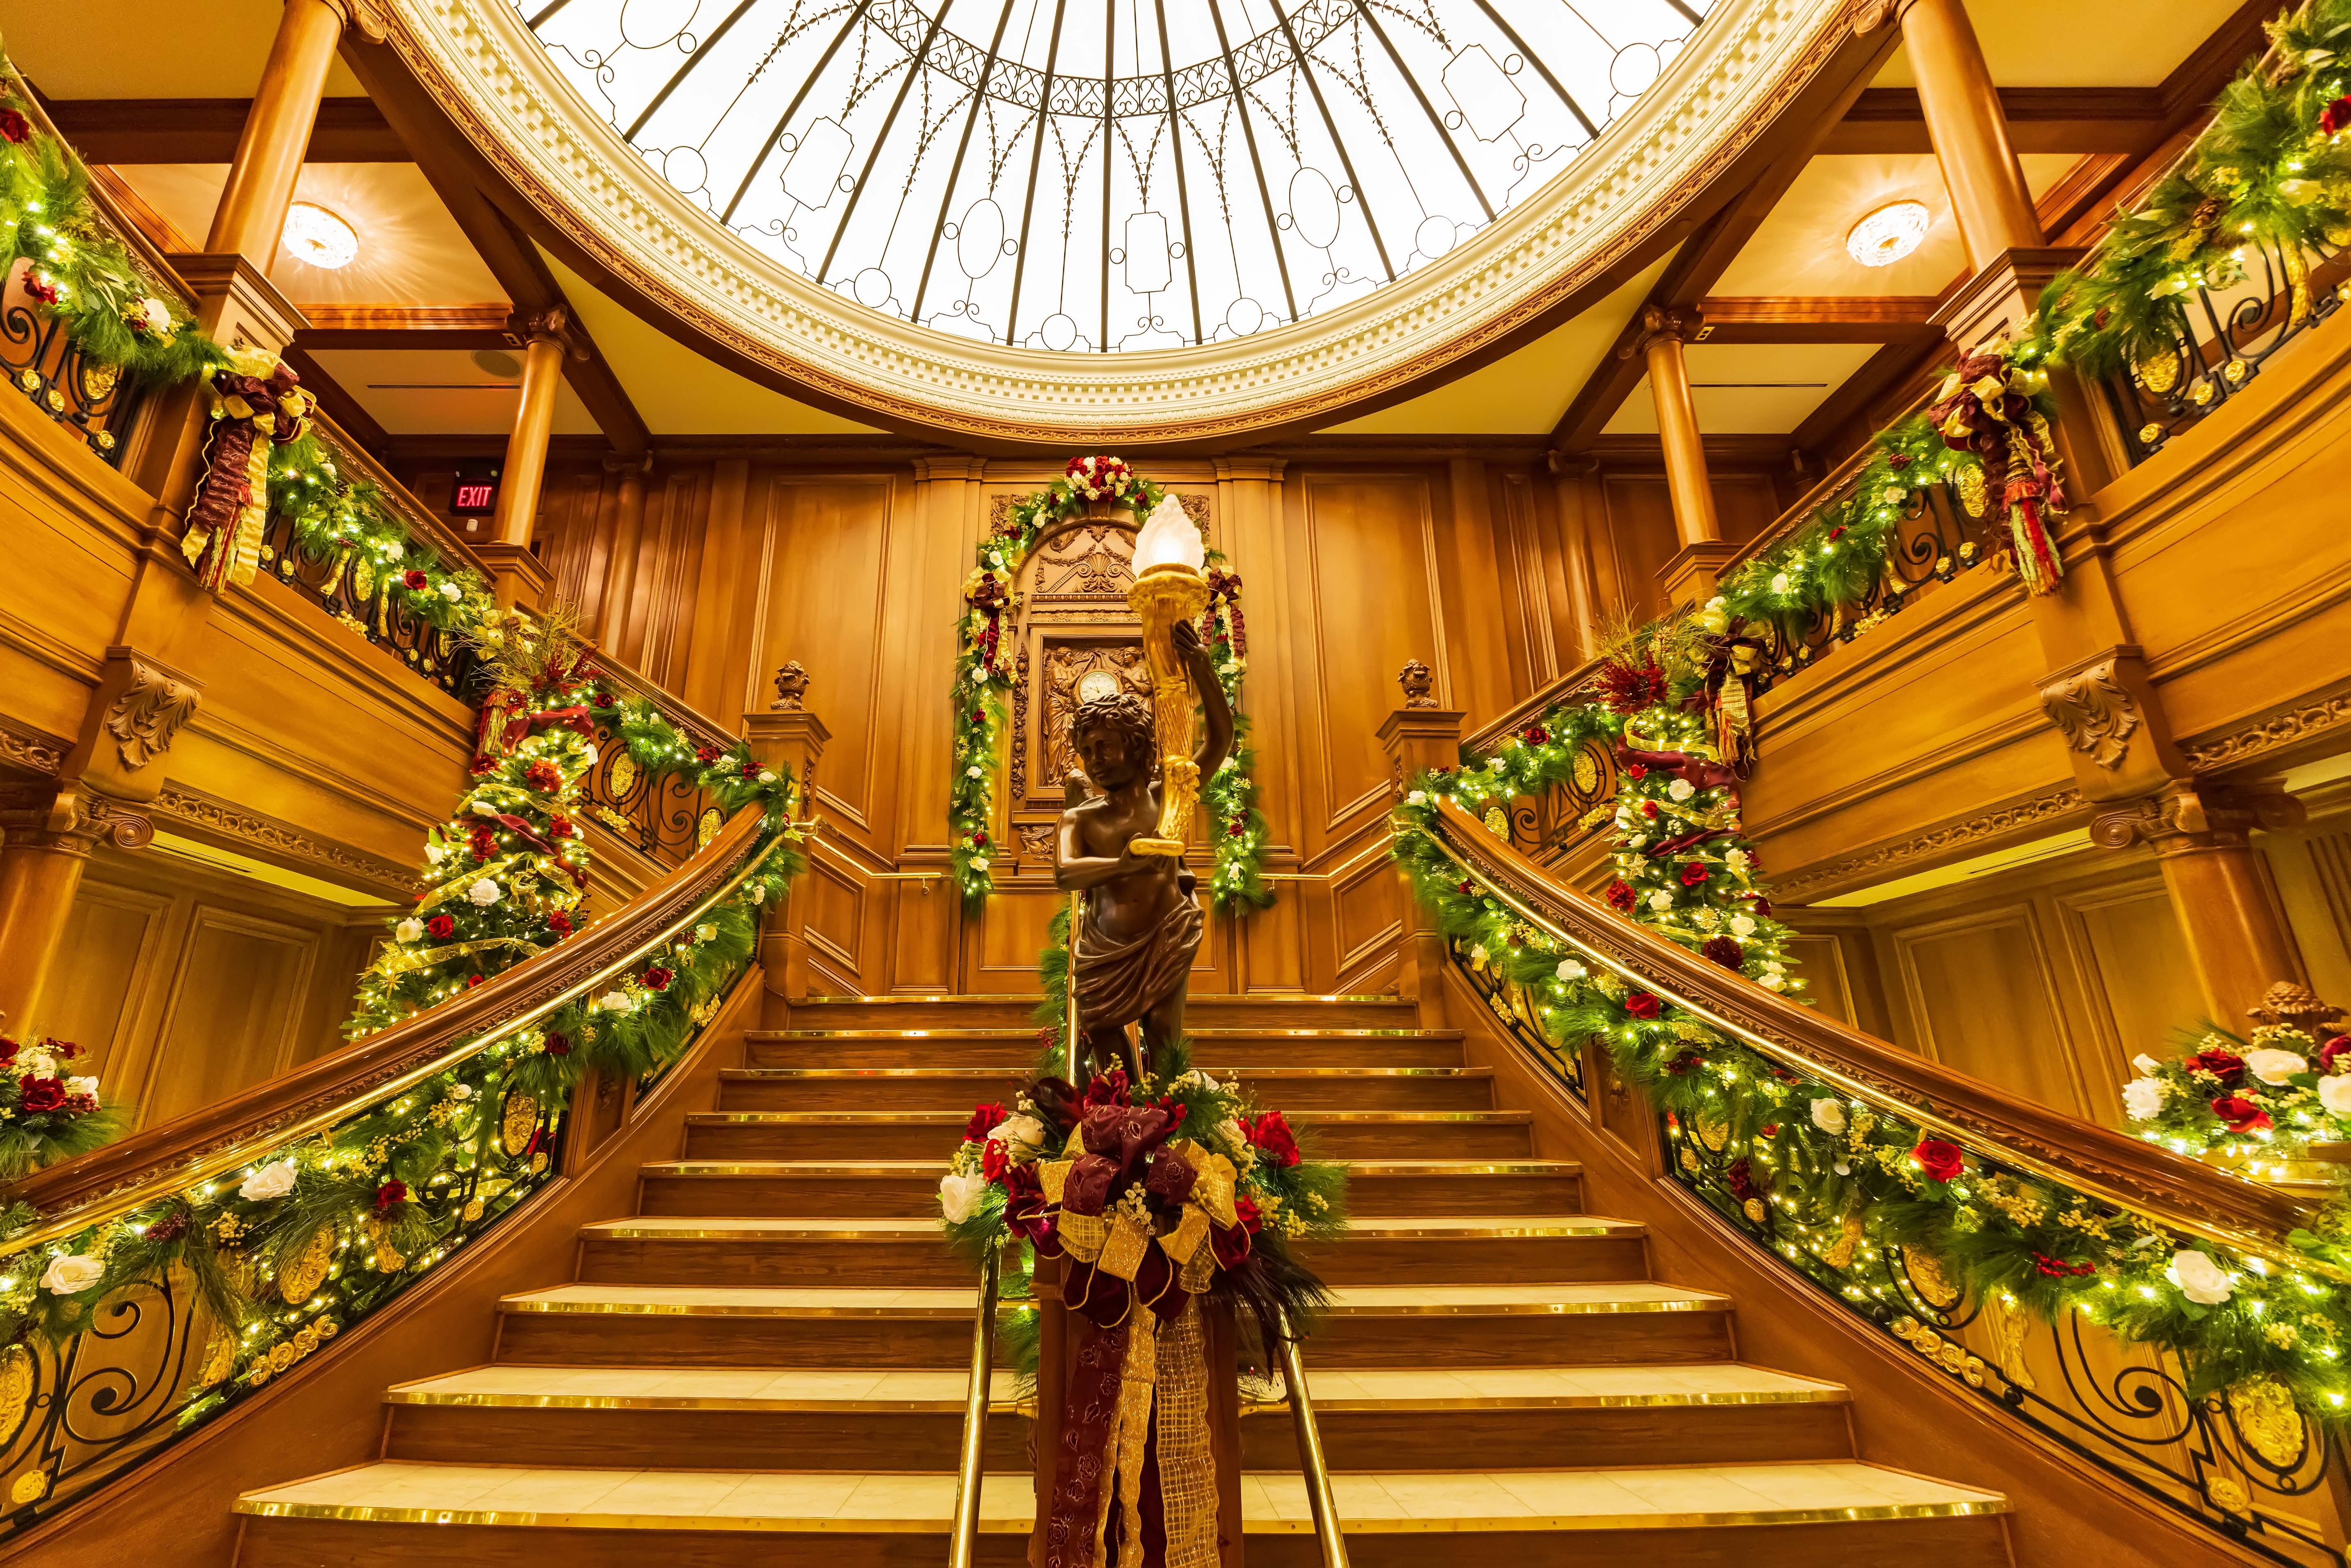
(1081, 175)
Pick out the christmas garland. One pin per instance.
(2272, 172)
(335, 517)
(79, 270)
(2268, 1099)
(47, 1112)
(1828, 1181)
(987, 668)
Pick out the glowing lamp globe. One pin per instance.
(1886, 235)
(320, 237)
(1168, 539)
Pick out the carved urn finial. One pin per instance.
(1418, 684)
(2295, 1006)
(791, 688)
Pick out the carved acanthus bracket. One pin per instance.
(2093, 711)
(147, 713)
(2188, 815)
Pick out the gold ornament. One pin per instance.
(2159, 372)
(475, 1208)
(98, 380)
(30, 1487)
(2008, 1322)
(1713, 1130)
(1934, 1286)
(623, 774)
(1754, 1209)
(1586, 771)
(15, 1388)
(707, 829)
(2265, 1417)
(220, 1360)
(1496, 823)
(1690, 1159)
(517, 1123)
(537, 1164)
(2228, 1494)
(301, 1276)
(1840, 1253)
(1973, 497)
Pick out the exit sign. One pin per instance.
(476, 491)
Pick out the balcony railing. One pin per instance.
(663, 816)
(2239, 1461)
(448, 1108)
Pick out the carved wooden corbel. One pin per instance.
(2093, 711)
(147, 712)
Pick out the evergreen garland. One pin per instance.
(338, 517)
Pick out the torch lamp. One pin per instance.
(1170, 585)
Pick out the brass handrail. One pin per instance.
(964, 1544)
(1319, 1496)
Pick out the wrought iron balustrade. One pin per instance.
(664, 816)
(95, 401)
(2240, 1462)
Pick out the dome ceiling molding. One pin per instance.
(1730, 82)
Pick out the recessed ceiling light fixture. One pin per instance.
(320, 237)
(1886, 235)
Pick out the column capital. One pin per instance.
(551, 325)
(368, 18)
(950, 465)
(1265, 470)
(1659, 326)
(2187, 816)
(63, 819)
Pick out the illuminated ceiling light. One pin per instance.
(1888, 234)
(320, 237)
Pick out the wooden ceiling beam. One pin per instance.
(480, 326)
(1851, 318)
(204, 131)
(1887, 120)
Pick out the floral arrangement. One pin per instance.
(47, 1112)
(2286, 1088)
(77, 269)
(1216, 1190)
(988, 667)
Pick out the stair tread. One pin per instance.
(747, 1301)
(1029, 1036)
(411, 1491)
(957, 1118)
(709, 1227)
(984, 1071)
(1357, 1168)
(944, 1389)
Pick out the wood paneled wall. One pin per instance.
(187, 984)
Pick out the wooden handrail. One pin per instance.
(206, 1142)
(2101, 1162)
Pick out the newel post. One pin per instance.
(1417, 736)
(786, 735)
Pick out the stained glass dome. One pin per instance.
(1093, 175)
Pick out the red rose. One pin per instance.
(543, 776)
(978, 839)
(480, 766)
(36, 1095)
(1694, 874)
(604, 699)
(1236, 830)
(1270, 1133)
(2331, 119)
(978, 716)
(416, 581)
(1771, 1129)
(750, 770)
(1642, 1005)
(2240, 1114)
(14, 125)
(484, 843)
(440, 927)
(63, 1050)
(1649, 810)
(1231, 1242)
(557, 1044)
(1468, 888)
(561, 827)
(1740, 1175)
(8, 1049)
(1725, 951)
(391, 1192)
(657, 978)
(473, 980)
(2331, 1050)
(40, 288)
(1621, 896)
(1837, 532)
(559, 922)
(993, 1161)
(983, 1119)
(2225, 1066)
(1942, 1161)
(707, 755)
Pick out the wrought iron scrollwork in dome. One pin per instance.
(1118, 177)
(97, 402)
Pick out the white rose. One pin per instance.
(974, 771)
(1681, 789)
(70, 1273)
(461, 1092)
(1779, 583)
(2200, 1280)
(979, 862)
(36, 1064)
(1828, 1115)
(432, 853)
(1417, 797)
(1773, 982)
(706, 932)
(616, 1002)
(1661, 901)
(483, 809)
(452, 592)
(2147, 1064)
(587, 756)
(1738, 860)
(274, 1180)
(149, 315)
(1478, 954)
(1021, 1135)
(767, 777)
(484, 892)
(759, 894)
(2335, 1095)
(2274, 1066)
(1569, 969)
(959, 1195)
(2143, 1098)
(84, 1086)
(408, 930)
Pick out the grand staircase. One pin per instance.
(764, 1363)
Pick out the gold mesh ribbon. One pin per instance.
(1217, 1185)
(1130, 1432)
(1187, 1469)
(1121, 1255)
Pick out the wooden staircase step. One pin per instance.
(1256, 1010)
(911, 1134)
(1295, 1088)
(1217, 1051)
(909, 1188)
(1484, 1326)
(595, 1324)
(406, 1512)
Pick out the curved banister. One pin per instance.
(2097, 1161)
(213, 1139)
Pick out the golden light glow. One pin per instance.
(320, 237)
(1887, 234)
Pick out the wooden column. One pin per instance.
(48, 835)
(1961, 106)
(251, 217)
(1688, 577)
(787, 736)
(1417, 736)
(519, 576)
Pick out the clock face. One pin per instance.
(1097, 684)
